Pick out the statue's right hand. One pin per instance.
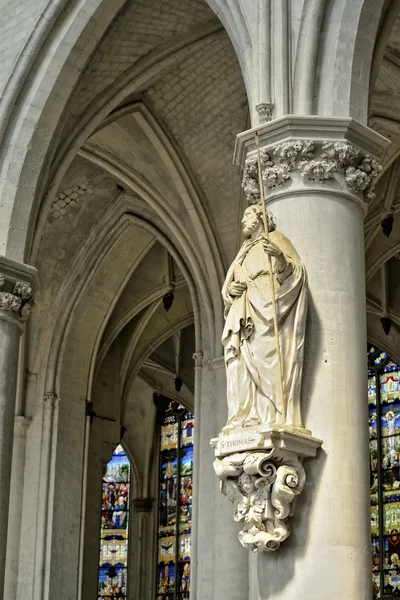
(236, 288)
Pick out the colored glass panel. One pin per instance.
(390, 387)
(175, 504)
(167, 507)
(380, 358)
(185, 504)
(384, 444)
(114, 528)
(371, 389)
(390, 366)
(376, 584)
(391, 565)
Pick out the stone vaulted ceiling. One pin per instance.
(149, 132)
(382, 224)
(142, 201)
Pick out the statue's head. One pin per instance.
(253, 220)
(247, 483)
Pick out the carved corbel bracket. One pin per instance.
(261, 472)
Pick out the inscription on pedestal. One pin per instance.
(238, 442)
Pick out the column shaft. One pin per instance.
(222, 564)
(319, 176)
(9, 344)
(16, 301)
(329, 545)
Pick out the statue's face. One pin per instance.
(247, 483)
(250, 221)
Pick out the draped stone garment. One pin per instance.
(252, 369)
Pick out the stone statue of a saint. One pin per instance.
(250, 347)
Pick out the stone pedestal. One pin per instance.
(261, 472)
(319, 177)
(16, 282)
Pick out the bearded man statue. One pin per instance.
(249, 340)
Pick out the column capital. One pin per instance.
(17, 285)
(50, 400)
(312, 154)
(198, 359)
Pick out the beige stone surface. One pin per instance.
(117, 124)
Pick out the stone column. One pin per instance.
(319, 175)
(143, 549)
(221, 569)
(16, 282)
(104, 437)
(21, 425)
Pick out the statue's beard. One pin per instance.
(249, 229)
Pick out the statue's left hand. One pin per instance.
(236, 288)
(272, 249)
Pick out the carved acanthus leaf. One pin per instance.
(9, 302)
(317, 162)
(276, 175)
(23, 290)
(342, 153)
(250, 181)
(265, 111)
(19, 300)
(50, 399)
(291, 153)
(319, 170)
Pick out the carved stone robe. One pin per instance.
(252, 369)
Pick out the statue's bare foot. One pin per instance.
(227, 428)
(251, 422)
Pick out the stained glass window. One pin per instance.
(114, 528)
(175, 504)
(384, 436)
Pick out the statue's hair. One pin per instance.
(259, 212)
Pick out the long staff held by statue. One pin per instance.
(271, 274)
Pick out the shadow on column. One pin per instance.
(276, 569)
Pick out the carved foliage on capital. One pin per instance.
(265, 111)
(262, 486)
(50, 400)
(16, 297)
(316, 162)
(198, 359)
